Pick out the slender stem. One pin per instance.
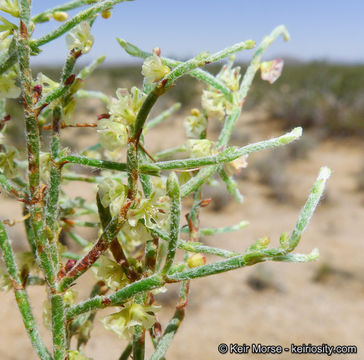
(88, 70)
(45, 15)
(33, 148)
(168, 335)
(58, 327)
(119, 297)
(174, 219)
(54, 189)
(231, 185)
(162, 116)
(98, 249)
(21, 296)
(139, 335)
(70, 24)
(127, 352)
(309, 208)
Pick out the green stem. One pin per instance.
(127, 352)
(58, 327)
(22, 297)
(139, 335)
(168, 335)
(70, 24)
(98, 249)
(119, 297)
(309, 208)
(174, 220)
(162, 116)
(33, 148)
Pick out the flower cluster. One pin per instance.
(123, 110)
(214, 102)
(123, 322)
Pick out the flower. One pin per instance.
(234, 167)
(122, 323)
(213, 101)
(112, 135)
(125, 107)
(195, 124)
(10, 6)
(133, 237)
(153, 210)
(112, 193)
(153, 69)
(80, 38)
(111, 273)
(199, 148)
(8, 88)
(271, 70)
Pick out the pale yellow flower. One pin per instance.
(153, 69)
(125, 107)
(123, 322)
(199, 147)
(80, 38)
(112, 135)
(195, 124)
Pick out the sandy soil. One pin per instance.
(289, 307)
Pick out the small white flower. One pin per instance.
(111, 272)
(112, 135)
(123, 322)
(199, 148)
(271, 70)
(214, 101)
(153, 69)
(80, 38)
(125, 107)
(234, 167)
(195, 124)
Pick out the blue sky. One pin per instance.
(320, 30)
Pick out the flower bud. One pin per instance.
(153, 69)
(106, 14)
(60, 16)
(196, 260)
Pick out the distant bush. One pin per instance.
(321, 95)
